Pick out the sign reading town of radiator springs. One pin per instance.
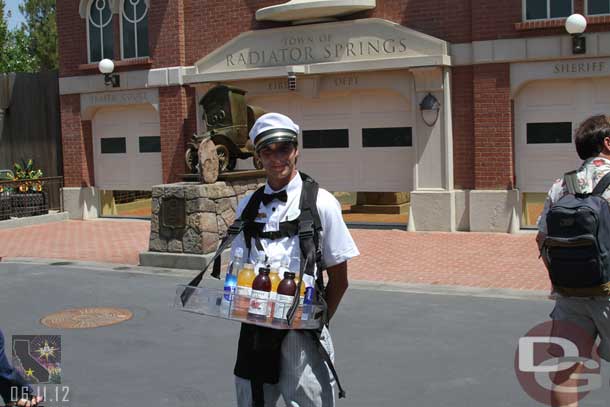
(38, 359)
(558, 361)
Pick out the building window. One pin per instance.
(544, 9)
(595, 7)
(335, 138)
(113, 145)
(99, 30)
(549, 133)
(150, 144)
(134, 28)
(387, 137)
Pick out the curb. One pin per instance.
(34, 220)
(411, 288)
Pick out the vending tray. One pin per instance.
(211, 302)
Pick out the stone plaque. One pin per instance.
(173, 217)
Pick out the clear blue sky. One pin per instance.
(16, 17)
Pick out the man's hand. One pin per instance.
(29, 403)
(337, 285)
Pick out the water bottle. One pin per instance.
(230, 285)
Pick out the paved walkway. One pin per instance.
(486, 260)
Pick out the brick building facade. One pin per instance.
(503, 73)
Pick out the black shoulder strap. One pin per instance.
(569, 178)
(309, 242)
(251, 210)
(309, 196)
(240, 225)
(602, 185)
(251, 227)
(235, 229)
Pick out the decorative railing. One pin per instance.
(30, 197)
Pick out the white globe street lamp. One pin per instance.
(106, 66)
(575, 25)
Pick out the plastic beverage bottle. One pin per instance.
(261, 261)
(244, 288)
(231, 277)
(307, 297)
(274, 276)
(231, 282)
(259, 298)
(285, 296)
(302, 291)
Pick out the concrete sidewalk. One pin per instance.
(485, 260)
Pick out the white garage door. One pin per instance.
(360, 140)
(127, 149)
(547, 113)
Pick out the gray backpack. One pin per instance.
(578, 241)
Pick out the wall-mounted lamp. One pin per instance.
(575, 25)
(106, 66)
(430, 108)
(292, 81)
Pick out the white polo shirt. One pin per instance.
(336, 242)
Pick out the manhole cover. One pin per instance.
(82, 318)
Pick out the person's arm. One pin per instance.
(9, 379)
(336, 287)
(539, 240)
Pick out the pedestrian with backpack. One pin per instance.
(290, 216)
(574, 243)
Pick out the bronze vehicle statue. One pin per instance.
(228, 120)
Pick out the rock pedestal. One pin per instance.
(189, 219)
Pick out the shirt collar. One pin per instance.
(603, 161)
(293, 186)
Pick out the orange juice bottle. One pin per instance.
(299, 313)
(302, 291)
(244, 289)
(274, 276)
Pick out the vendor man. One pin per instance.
(304, 378)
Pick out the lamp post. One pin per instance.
(430, 108)
(575, 25)
(106, 66)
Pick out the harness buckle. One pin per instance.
(306, 229)
(236, 228)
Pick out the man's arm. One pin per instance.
(336, 287)
(539, 240)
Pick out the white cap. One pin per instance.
(273, 128)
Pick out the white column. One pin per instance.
(433, 198)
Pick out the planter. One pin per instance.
(5, 206)
(29, 204)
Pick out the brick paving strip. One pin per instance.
(485, 260)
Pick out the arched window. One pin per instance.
(134, 28)
(99, 30)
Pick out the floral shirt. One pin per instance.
(588, 175)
